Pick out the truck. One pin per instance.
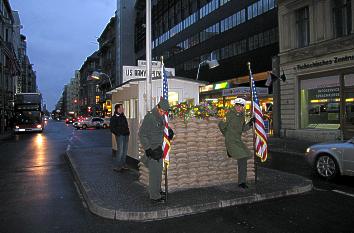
(28, 112)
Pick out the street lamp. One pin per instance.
(97, 75)
(211, 63)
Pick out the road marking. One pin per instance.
(319, 189)
(68, 147)
(344, 193)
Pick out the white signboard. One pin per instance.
(153, 63)
(136, 72)
(243, 91)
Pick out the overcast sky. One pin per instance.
(60, 35)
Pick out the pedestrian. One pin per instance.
(232, 130)
(151, 139)
(120, 129)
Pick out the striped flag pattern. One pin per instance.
(166, 145)
(261, 145)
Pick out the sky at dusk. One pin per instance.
(60, 35)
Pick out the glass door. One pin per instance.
(348, 117)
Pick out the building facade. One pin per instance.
(317, 57)
(188, 34)
(125, 18)
(72, 97)
(89, 88)
(9, 66)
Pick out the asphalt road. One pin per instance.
(38, 194)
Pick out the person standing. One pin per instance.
(151, 139)
(120, 129)
(232, 130)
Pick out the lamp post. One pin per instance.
(211, 63)
(97, 75)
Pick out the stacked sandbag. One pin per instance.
(198, 156)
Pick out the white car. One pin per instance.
(105, 123)
(91, 122)
(332, 159)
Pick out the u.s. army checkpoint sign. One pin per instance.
(137, 72)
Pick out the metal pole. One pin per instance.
(148, 57)
(254, 138)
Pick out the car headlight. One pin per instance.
(308, 150)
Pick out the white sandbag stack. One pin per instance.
(198, 156)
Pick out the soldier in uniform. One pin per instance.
(232, 130)
(151, 138)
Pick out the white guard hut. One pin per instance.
(132, 95)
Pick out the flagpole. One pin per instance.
(252, 115)
(166, 165)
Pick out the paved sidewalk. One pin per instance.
(120, 196)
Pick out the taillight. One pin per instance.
(39, 126)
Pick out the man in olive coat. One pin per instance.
(232, 130)
(151, 138)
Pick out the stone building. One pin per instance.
(317, 56)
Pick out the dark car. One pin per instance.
(70, 120)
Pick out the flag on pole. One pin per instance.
(261, 145)
(166, 145)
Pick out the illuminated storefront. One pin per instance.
(224, 93)
(321, 105)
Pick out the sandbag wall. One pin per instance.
(198, 156)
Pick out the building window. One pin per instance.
(303, 28)
(342, 17)
(320, 103)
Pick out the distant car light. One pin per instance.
(39, 126)
(17, 127)
(308, 150)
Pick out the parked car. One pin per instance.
(332, 158)
(105, 123)
(89, 122)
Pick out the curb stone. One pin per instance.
(95, 204)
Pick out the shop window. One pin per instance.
(320, 103)
(349, 80)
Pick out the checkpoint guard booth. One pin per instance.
(198, 156)
(131, 93)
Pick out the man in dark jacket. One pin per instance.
(119, 127)
(151, 138)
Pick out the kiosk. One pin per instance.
(132, 95)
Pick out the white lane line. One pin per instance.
(344, 193)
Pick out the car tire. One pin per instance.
(104, 126)
(326, 167)
(84, 126)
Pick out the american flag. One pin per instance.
(166, 145)
(261, 144)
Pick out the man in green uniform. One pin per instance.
(232, 130)
(151, 138)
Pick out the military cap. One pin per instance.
(164, 105)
